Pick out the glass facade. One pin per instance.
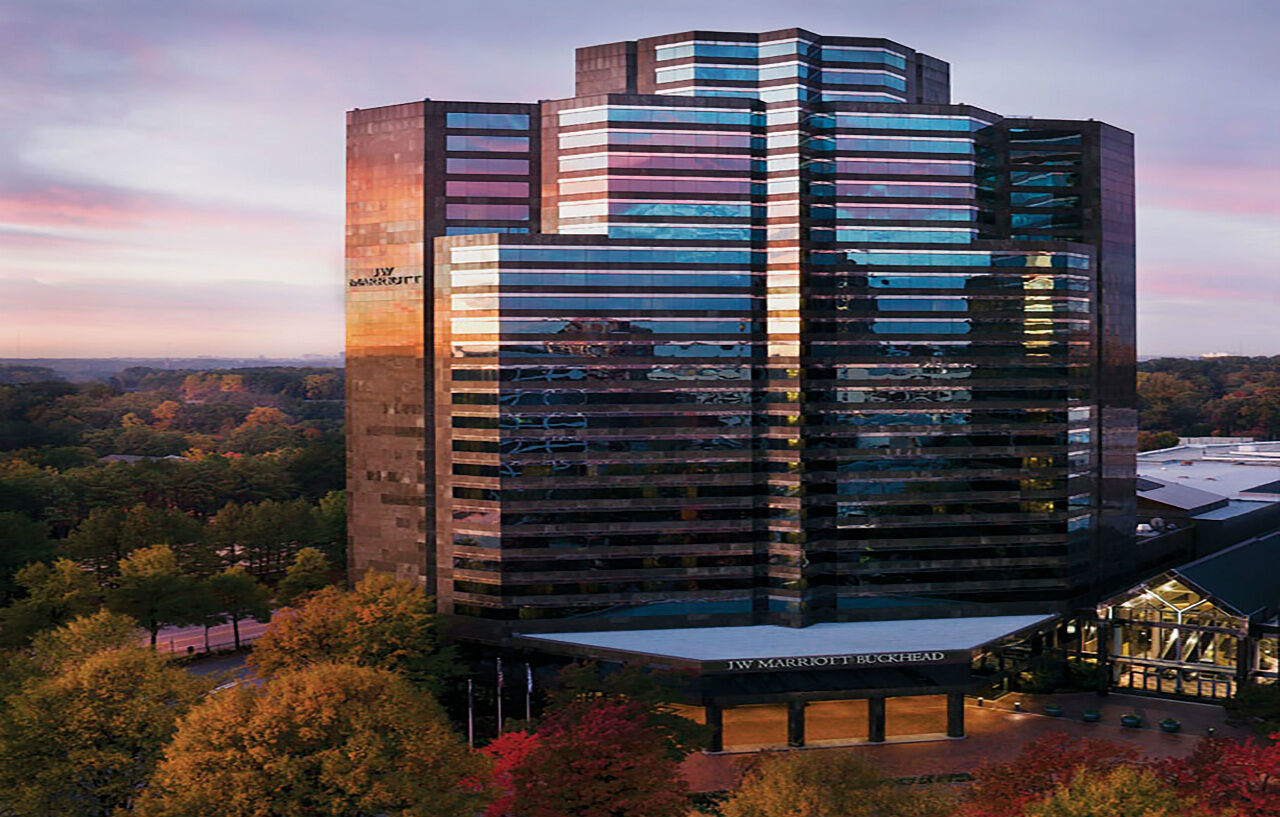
(753, 349)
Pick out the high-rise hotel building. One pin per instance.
(755, 329)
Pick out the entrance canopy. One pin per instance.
(836, 645)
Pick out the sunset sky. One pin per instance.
(171, 171)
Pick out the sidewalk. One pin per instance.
(996, 734)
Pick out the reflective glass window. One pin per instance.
(491, 189)
(503, 212)
(1057, 220)
(884, 78)
(903, 235)
(680, 233)
(901, 122)
(921, 304)
(498, 144)
(481, 230)
(487, 121)
(1043, 178)
(914, 212)
(901, 167)
(920, 327)
(903, 145)
(495, 166)
(835, 53)
(684, 209)
(1044, 199)
(925, 191)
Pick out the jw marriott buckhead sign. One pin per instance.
(849, 661)
(383, 277)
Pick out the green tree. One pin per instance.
(55, 594)
(381, 623)
(81, 637)
(153, 590)
(329, 740)
(309, 572)
(1124, 792)
(1257, 705)
(830, 784)
(84, 740)
(239, 595)
(96, 541)
(22, 541)
(331, 511)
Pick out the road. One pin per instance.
(192, 639)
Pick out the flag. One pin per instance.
(500, 682)
(528, 674)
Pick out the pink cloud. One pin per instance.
(1237, 189)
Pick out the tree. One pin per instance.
(22, 541)
(309, 572)
(84, 740)
(599, 759)
(1125, 791)
(1257, 705)
(1049, 761)
(331, 510)
(381, 623)
(55, 594)
(827, 784)
(154, 591)
(329, 739)
(82, 637)
(96, 541)
(655, 690)
(1241, 778)
(508, 751)
(240, 596)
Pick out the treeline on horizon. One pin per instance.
(1207, 397)
(214, 462)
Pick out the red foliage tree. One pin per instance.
(598, 759)
(509, 751)
(1004, 789)
(1222, 775)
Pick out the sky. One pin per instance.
(171, 171)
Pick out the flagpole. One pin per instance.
(499, 696)
(528, 692)
(471, 716)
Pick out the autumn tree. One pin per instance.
(1125, 791)
(82, 637)
(54, 594)
(1240, 778)
(599, 759)
(655, 690)
(381, 623)
(239, 596)
(1049, 761)
(328, 740)
(508, 752)
(826, 784)
(309, 572)
(83, 740)
(152, 589)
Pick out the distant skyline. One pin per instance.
(171, 175)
